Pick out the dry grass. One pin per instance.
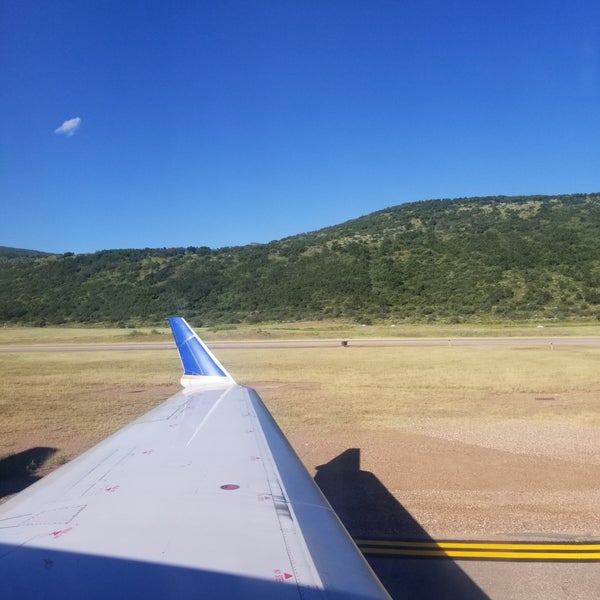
(379, 388)
(335, 330)
(11, 336)
(70, 400)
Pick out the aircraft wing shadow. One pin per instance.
(17, 471)
(369, 511)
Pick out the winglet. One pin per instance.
(199, 364)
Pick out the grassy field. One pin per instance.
(70, 400)
(382, 388)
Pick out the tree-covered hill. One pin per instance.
(474, 258)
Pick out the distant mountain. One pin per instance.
(493, 258)
(8, 252)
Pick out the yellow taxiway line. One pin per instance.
(526, 551)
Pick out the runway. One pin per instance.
(462, 342)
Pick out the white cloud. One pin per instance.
(69, 127)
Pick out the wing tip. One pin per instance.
(200, 366)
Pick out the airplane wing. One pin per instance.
(201, 497)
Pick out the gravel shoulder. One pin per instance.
(461, 479)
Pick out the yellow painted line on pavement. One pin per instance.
(528, 551)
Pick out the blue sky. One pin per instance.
(217, 123)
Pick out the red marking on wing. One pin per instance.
(111, 489)
(281, 575)
(59, 532)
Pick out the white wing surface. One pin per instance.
(201, 497)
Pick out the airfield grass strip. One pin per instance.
(91, 394)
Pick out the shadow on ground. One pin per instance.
(17, 471)
(369, 511)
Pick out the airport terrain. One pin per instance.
(431, 439)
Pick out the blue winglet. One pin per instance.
(196, 358)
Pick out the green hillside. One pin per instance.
(494, 258)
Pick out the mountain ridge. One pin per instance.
(10, 252)
(483, 258)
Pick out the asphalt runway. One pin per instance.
(471, 342)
